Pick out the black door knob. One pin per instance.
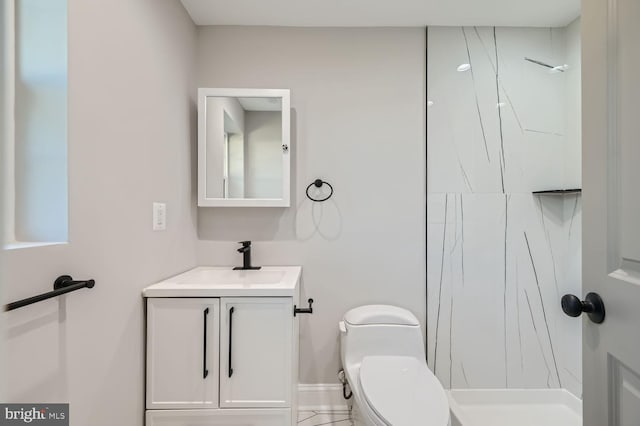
(592, 305)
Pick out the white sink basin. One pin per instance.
(217, 281)
(229, 277)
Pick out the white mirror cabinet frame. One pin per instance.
(203, 94)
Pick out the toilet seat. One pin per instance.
(402, 391)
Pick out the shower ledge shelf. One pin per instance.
(558, 192)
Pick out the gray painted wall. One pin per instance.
(132, 128)
(357, 98)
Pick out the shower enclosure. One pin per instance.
(504, 220)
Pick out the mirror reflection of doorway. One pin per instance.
(233, 168)
(225, 171)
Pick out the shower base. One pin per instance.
(509, 407)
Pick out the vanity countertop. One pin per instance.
(223, 281)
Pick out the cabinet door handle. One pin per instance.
(230, 338)
(205, 372)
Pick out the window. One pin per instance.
(34, 119)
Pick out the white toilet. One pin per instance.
(384, 362)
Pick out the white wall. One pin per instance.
(357, 98)
(263, 162)
(131, 141)
(499, 258)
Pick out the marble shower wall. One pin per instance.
(499, 258)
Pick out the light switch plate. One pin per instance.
(159, 216)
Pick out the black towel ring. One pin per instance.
(318, 183)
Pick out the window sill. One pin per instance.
(24, 245)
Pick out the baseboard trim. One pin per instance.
(320, 397)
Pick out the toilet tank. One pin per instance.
(379, 330)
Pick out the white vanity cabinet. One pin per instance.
(222, 354)
(182, 352)
(256, 351)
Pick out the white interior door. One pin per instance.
(611, 209)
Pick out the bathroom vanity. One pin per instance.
(222, 347)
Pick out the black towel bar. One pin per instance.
(63, 284)
(308, 310)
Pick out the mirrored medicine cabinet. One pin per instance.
(243, 147)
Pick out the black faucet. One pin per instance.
(246, 257)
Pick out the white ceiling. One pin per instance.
(383, 13)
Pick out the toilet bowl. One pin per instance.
(383, 357)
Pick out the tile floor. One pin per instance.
(318, 418)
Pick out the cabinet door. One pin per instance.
(182, 352)
(256, 350)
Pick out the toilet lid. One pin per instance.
(380, 314)
(402, 391)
